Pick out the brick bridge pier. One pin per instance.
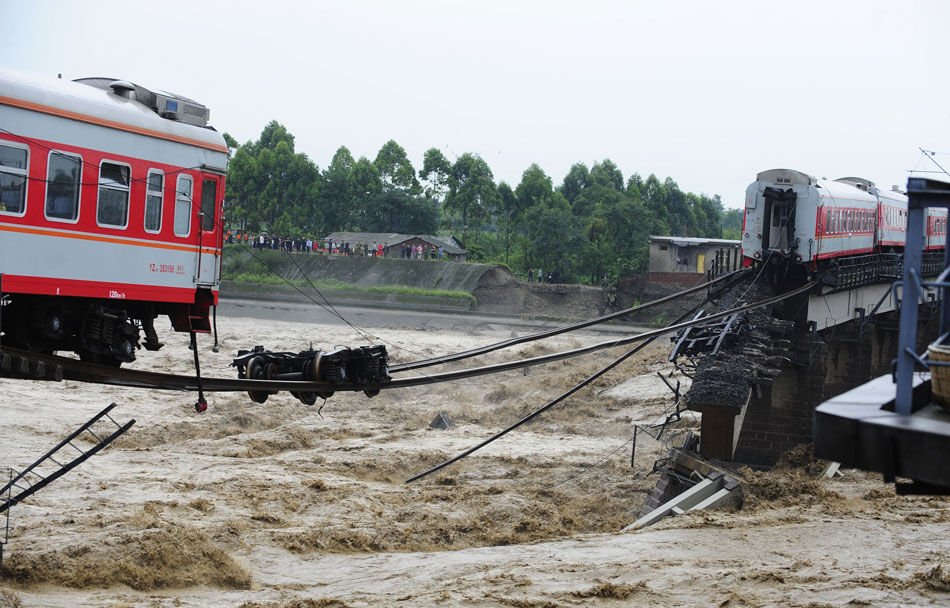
(780, 415)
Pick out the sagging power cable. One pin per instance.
(548, 405)
(501, 367)
(736, 275)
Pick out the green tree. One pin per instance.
(654, 197)
(535, 187)
(554, 235)
(607, 175)
(472, 191)
(509, 208)
(366, 185)
(732, 224)
(395, 170)
(575, 181)
(395, 211)
(271, 186)
(338, 194)
(435, 171)
(230, 142)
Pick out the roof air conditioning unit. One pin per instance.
(181, 109)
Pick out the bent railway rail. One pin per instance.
(73, 369)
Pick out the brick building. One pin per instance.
(685, 261)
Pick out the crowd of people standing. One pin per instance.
(329, 246)
(536, 275)
(421, 252)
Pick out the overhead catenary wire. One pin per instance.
(546, 406)
(563, 329)
(500, 367)
(930, 156)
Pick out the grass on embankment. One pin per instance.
(271, 267)
(334, 285)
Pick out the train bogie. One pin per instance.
(366, 366)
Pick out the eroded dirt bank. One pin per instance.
(281, 505)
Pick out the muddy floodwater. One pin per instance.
(282, 505)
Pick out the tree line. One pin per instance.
(595, 224)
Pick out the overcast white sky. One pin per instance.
(708, 93)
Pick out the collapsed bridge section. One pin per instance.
(758, 378)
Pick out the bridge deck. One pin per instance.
(833, 309)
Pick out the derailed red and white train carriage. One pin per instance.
(809, 221)
(110, 206)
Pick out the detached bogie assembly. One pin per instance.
(366, 366)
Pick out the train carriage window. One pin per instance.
(13, 176)
(62, 187)
(828, 221)
(113, 208)
(154, 195)
(183, 205)
(208, 196)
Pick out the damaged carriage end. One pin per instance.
(366, 367)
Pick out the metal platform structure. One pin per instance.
(891, 424)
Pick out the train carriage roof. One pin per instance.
(844, 190)
(101, 106)
(849, 188)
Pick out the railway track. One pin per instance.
(24, 364)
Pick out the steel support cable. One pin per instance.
(329, 307)
(501, 367)
(325, 307)
(933, 160)
(367, 335)
(546, 406)
(87, 372)
(560, 330)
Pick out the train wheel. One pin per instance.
(255, 371)
(307, 398)
(28, 337)
(311, 370)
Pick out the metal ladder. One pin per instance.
(63, 458)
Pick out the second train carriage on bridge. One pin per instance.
(818, 223)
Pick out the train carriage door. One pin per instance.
(779, 229)
(208, 232)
